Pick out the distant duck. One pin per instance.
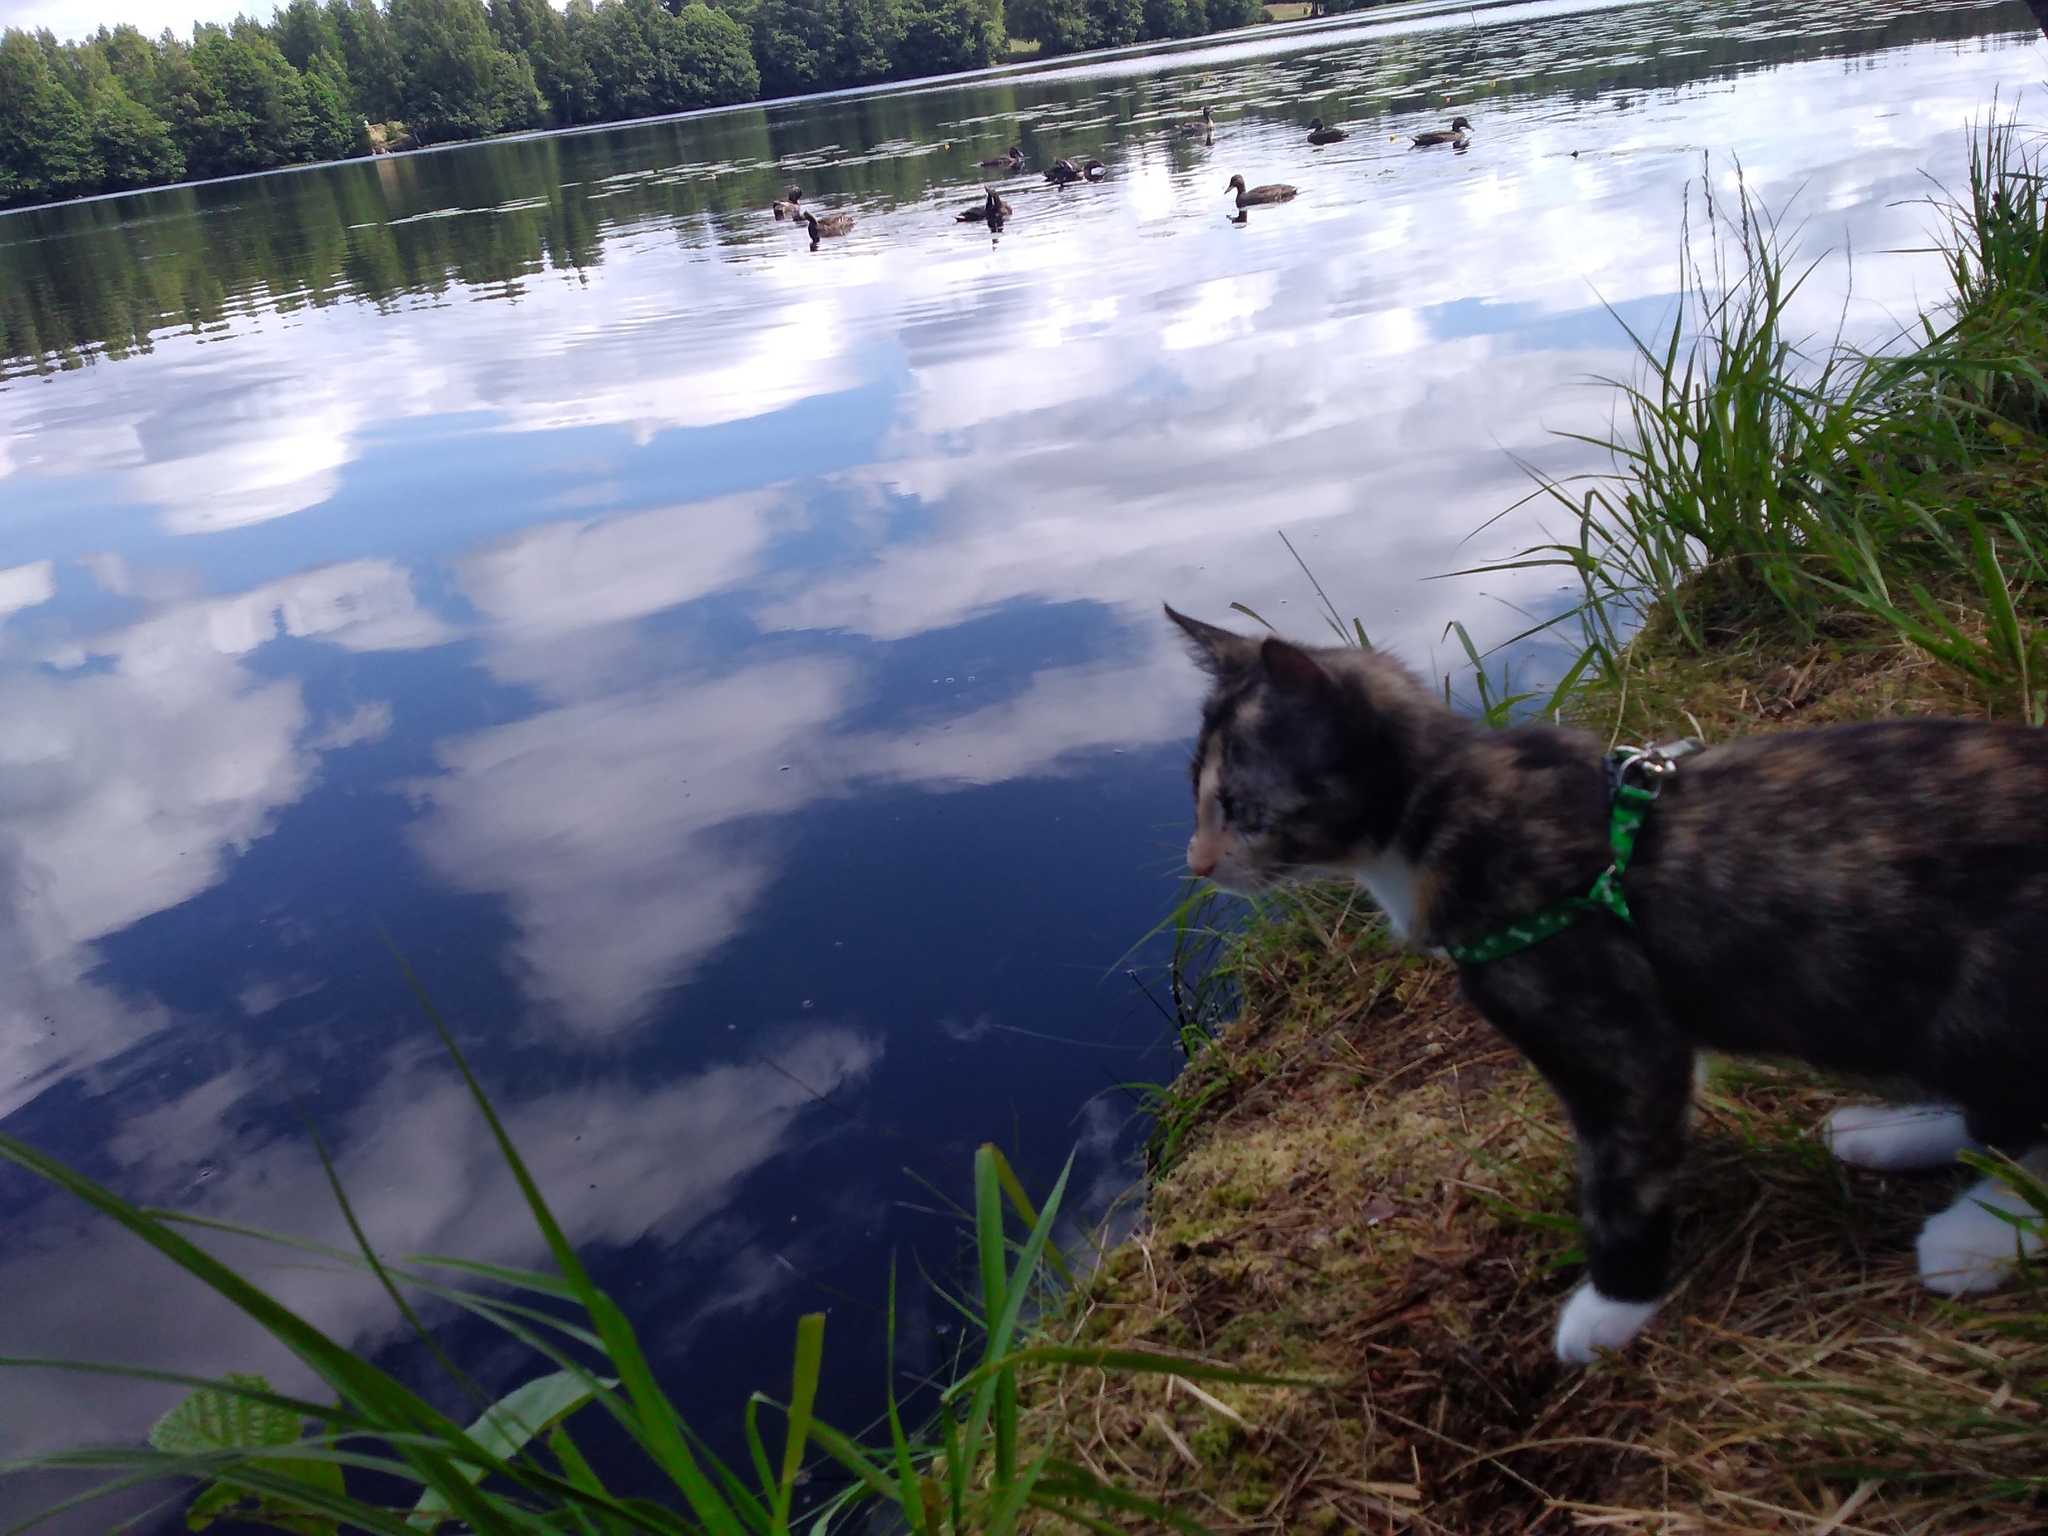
(1063, 171)
(991, 210)
(1248, 197)
(787, 208)
(1318, 134)
(1456, 135)
(1198, 130)
(1013, 161)
(827, 227)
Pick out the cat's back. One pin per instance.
(1880, 815)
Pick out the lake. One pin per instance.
(732, 673)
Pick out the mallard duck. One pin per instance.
(1318, 134)
(1273, 192)
(1197, 130)
(1013, 161)
(787, 208)
(990, 210)
(1064, 171)
(1454, 135)
(827, 227)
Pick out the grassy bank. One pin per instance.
(1367, 1186)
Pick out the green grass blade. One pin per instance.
(803, 1397)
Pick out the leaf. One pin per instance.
(212, 1420)
(505, 1428)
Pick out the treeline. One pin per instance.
(320, 81)
(1066, 26)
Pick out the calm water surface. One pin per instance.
(733, 674)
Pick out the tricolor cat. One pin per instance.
(1870, 898)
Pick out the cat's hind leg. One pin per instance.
(1891, 1137)
(1971, 1246)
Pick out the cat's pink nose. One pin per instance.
(1201, 862)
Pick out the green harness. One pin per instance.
(1632, 802)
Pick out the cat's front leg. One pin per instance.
(1584, 1010)
(1630, 1144)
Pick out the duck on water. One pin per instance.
(786, 208)
(1064, 172)
(1318, 134)
(1250, 197)
(831, 225)
(991, 210)
(1013, 161)
(1457, 135)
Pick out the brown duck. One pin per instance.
(827, 227)
(1201, 129)
(1013, 161)
(1455, 135)
(1248, 197)
(1318, 134)
(991, 210)
(787, 208)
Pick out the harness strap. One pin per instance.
(1631, 803)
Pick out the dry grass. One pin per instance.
(1378, 1195)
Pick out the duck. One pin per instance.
(1318, 134)
(787, 207)
(991, 210)
(827, 227)
(1455, 135)
(1013, 161)
(1273, 192)
(1198, 130)
(1064, 171)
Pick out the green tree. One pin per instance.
(940, 36)
(459, 84)
(132, 144)
(1234, 13)
(302, 30)
(236, 104)
(537, 32)
(370, 52)
(132, 59)
(333, 130)
(1175, 18)
(45, 132)
(646, 60)
(821, 45)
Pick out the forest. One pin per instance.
(119, 110)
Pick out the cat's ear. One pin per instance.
(1217, 650)
(1293, 670)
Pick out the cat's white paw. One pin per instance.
(1591, 1321)
(1967, 1248)
(1889, 1137)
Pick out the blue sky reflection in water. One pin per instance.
(733, 673)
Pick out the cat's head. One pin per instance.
(1305, 759)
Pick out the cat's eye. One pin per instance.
(1241, 814)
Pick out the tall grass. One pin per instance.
(310, 1464)
(1763, 479)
